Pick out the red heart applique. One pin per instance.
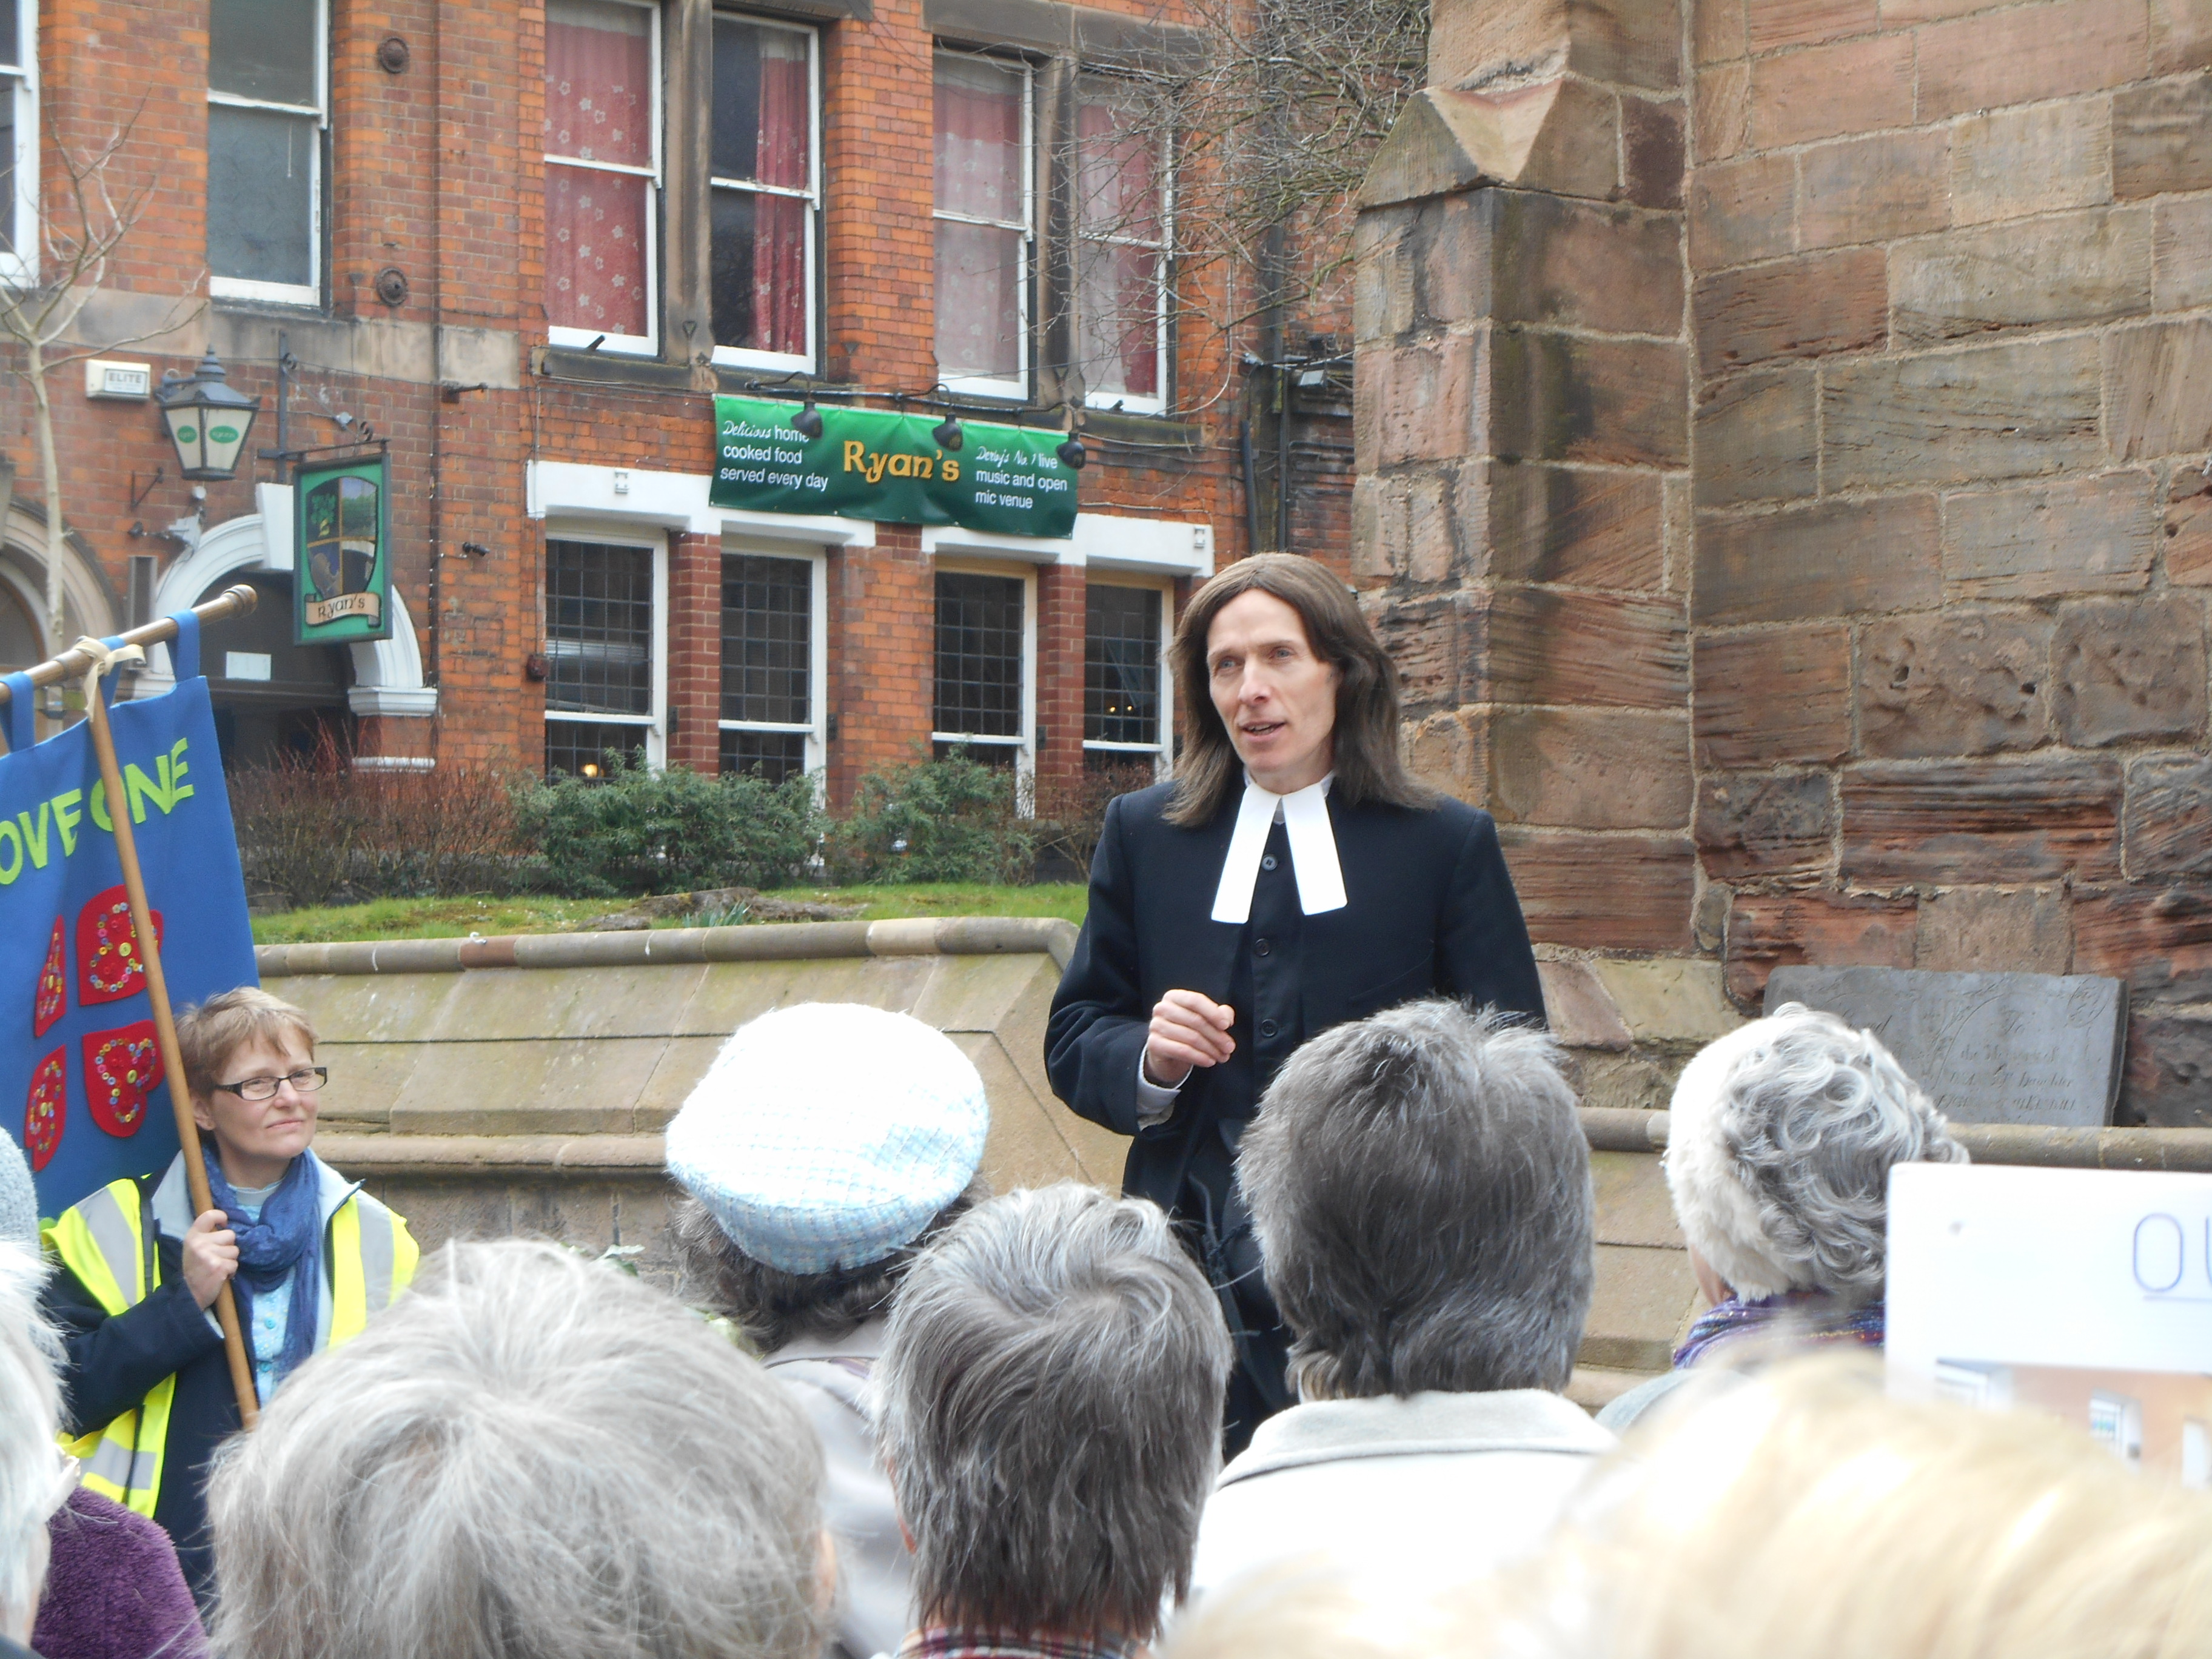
(108, 967)
(53, 987)
(121, 1069)
(49, 1106)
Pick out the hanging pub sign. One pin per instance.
(870, 464)
(341, 524)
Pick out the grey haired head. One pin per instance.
(1779, 1147)
(1421, 1189)
(1050, 1401)
(530, 1455)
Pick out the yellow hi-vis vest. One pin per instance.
(107, 1241)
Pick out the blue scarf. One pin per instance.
(1802, 1317)
(287, 1239)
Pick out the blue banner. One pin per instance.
(77, 1056)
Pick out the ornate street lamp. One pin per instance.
(208, 420)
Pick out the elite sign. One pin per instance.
(870, 464)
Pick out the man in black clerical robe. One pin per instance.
(1367, 890)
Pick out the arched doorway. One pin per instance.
(21, 642)
(87, 604)
(274, 700)
(387, 674)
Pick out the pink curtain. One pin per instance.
(1117, 183)
(979, 173)
(1118, 292)
(595, 250)
(1118, 284)
(599, 108)
(598, 82)
(780, 221)
(979, 139)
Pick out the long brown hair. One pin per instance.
(1368, 767)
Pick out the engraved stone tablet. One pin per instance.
(1987, 1048)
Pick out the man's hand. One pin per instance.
(210, 1256)
(1189, 1029)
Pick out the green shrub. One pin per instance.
(639, 831)
(954, 819)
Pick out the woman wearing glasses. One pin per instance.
(310, 1256)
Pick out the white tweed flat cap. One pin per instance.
(829, 1134)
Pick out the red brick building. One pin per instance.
(527, 241)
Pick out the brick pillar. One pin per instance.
(883, 623)
(695, 651)
(1521, 431)
(393, 735)
(1060, 674)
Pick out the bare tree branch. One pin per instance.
(80, 227)
(1272, 125)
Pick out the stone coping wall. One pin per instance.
(504, 1087)
(491, 1088)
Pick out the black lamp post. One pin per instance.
(208, 420)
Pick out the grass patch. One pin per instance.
(457, 918)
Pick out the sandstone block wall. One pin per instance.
(1819, 573)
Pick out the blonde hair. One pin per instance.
(1803, 1513)
(210, 1032)
(1310, 1608)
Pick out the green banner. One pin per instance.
(341, 530)
(868, 464)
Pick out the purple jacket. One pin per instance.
(113, 1587)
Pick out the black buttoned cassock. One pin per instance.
(1430, 910)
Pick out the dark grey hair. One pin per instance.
(30, 1406)
(773, 1307)
(531, 1454)
(1421, 1190)
(1779, 1147)
(1050, 1401)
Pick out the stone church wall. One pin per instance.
(1785, 473)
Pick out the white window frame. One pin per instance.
(22, 266)
(1024, 747)
(1162, 750)
(311, 292)
(621, 535)
(984, 386)
(648, 344)
(1135, 404)
(737, 356)
(816, 727)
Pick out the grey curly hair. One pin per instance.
(1779, 1148)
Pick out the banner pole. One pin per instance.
(71, 663)
(165, 1025)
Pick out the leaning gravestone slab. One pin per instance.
(1987, 1048)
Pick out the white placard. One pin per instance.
(2083, 1293)
(246, 664)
